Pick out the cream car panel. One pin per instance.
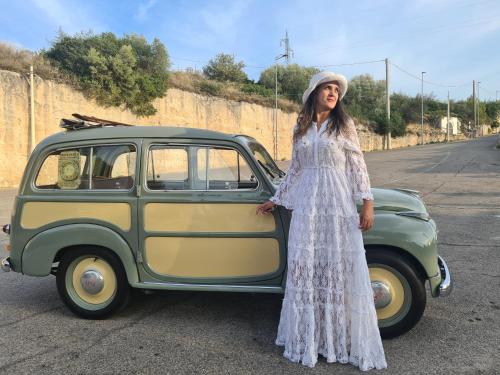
(212, 257)
(37, 214)
(205, 217)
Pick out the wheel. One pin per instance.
(92, 282)
(399, 292)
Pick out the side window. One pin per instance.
(63, 170)
(168, 168)
(124, 165)
(223, 169)
(112, 166)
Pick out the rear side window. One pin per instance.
(168, 168)
(107, 167)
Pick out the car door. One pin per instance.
(197, 221)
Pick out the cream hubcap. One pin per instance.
(389, 294)
(94, 280)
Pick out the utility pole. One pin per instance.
(496, 96)
(388, 104)
(474, 102)
(275, 124)
(32, 109)
(478, 111)
(288, 53)
(422, 113)
(448, 119)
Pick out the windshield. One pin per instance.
(266, 162)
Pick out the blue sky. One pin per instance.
(453, 41)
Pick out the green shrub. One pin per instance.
(255, 88)
(115, 71)
(224, 68)
(209, 87)
(293, 79)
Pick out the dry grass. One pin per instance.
(20, 60)
(197, 83)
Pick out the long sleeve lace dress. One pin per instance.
(328, 307)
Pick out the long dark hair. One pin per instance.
(338, 117)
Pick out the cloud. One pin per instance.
(212, 28)
(70, 18)
(223, 21)
(143, 10)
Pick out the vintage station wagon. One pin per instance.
(107, 207)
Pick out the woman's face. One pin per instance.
(327, 97)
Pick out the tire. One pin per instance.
(105, 297)
(406, 305)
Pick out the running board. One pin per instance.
(209, 287)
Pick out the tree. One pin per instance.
(115, 71)
(293, 80)
(365, 98)
(408, 107)
(224, 68)
(464, 110)
(492, 110)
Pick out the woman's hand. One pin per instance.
(265, 208)
(366, 217)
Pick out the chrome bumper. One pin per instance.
(5, 265)
(447, 283)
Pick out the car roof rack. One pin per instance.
(87, 122)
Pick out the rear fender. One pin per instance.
(40, 252)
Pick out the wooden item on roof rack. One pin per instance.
(86, 122)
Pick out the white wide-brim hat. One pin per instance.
(323, 77)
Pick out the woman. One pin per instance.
(328, 307)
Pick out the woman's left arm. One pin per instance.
(358, 176)
(356, 166)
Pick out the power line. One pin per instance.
(349, 64)
(491, 92)
(425, 81)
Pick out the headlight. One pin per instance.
(416, 215)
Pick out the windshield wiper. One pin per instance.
(281, 173)
(266, 168)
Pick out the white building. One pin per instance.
(454, 125)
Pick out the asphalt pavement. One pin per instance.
(233, 333)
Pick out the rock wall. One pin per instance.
(54, 101)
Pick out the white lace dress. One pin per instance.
(328, 307)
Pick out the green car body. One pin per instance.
(178, 228)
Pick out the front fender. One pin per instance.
(415, 236)
(40, 251)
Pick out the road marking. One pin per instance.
(435, 165)
(424, 171)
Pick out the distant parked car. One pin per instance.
(105, 207)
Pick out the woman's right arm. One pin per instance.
(283, 195)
